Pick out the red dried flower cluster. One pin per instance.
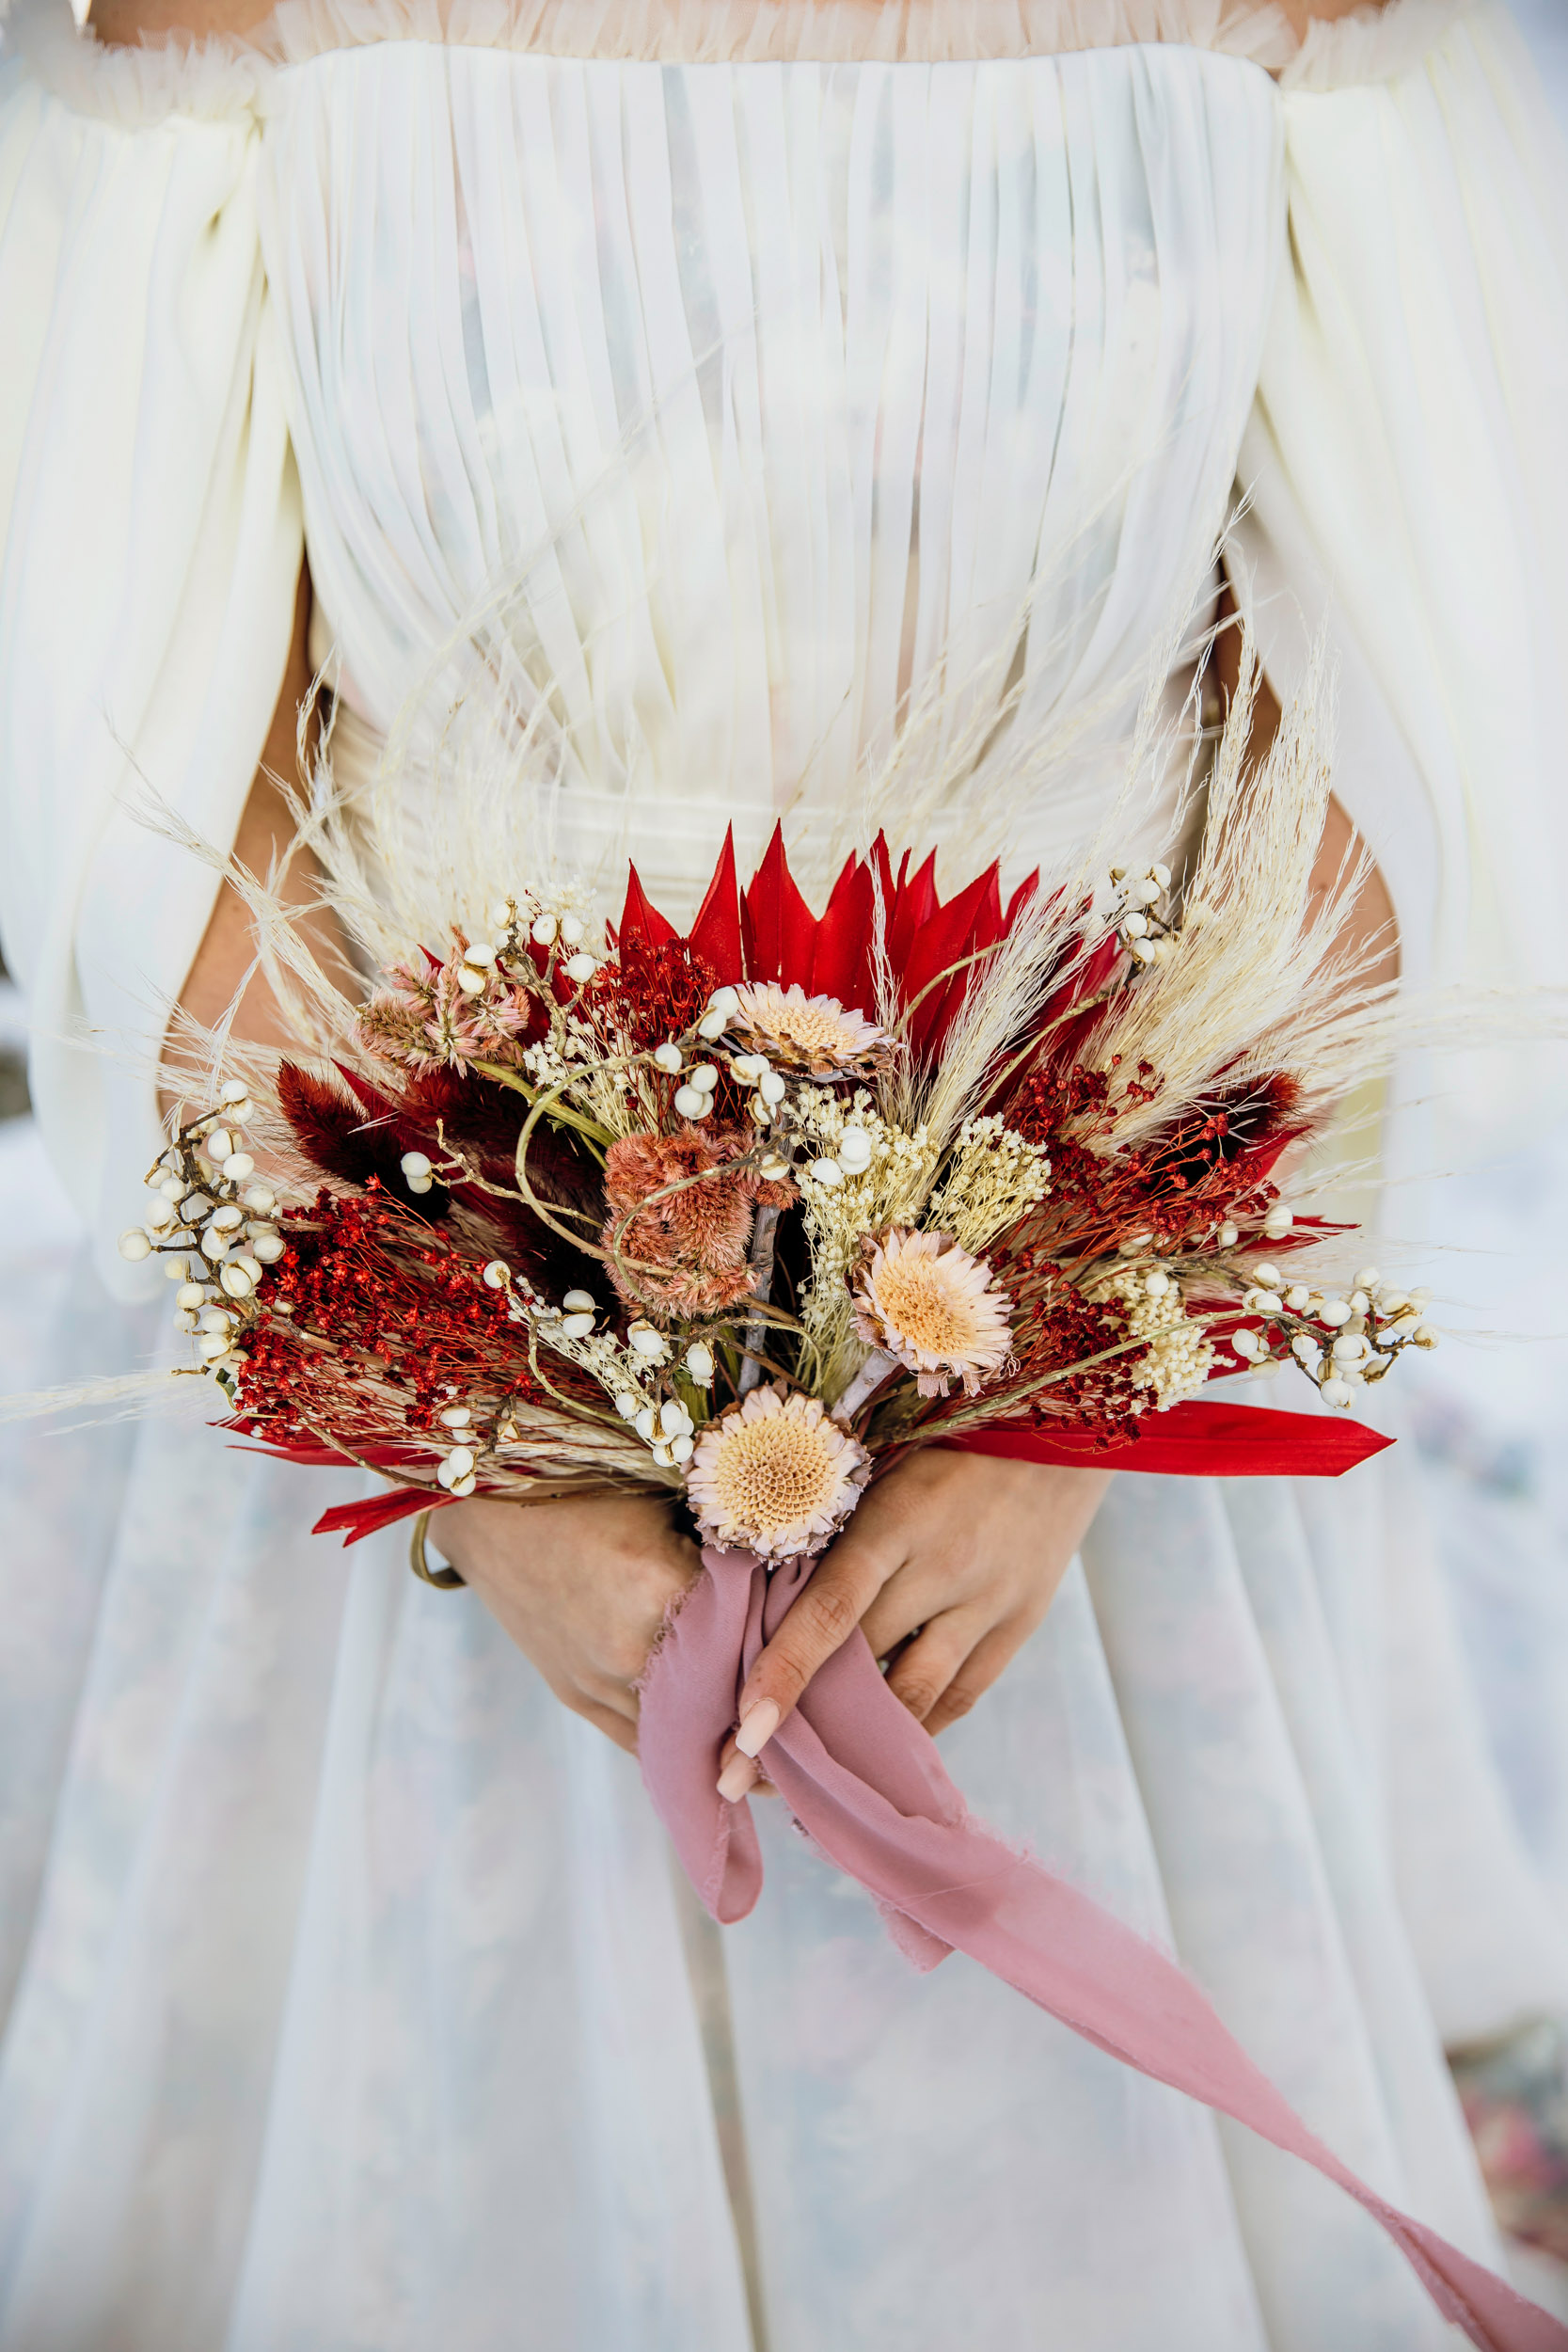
(371, 1330)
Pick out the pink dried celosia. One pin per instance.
(685, 1252)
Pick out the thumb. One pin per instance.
(820, 1621)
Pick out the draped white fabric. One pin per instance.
(355, 2004)
(146, 491)
(1405, 462)
(779, 392)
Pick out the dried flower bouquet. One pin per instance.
(743, 1214)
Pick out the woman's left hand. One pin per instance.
(962, 1552)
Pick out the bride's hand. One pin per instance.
(963, 1553)
(582, 1585)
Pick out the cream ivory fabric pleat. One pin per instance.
(150, 522)
(1408, 466)
(773, 393)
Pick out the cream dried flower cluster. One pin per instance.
(1181, 1356)
(995, 1177)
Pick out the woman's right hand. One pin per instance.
(583, 1586)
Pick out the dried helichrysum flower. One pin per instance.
(923, 1299)
(775, 1475)
(816, 1036)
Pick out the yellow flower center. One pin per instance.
(916, 1298)
(774, 1472)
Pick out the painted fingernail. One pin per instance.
(757, 1727)
(739, 1775)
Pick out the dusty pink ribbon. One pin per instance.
(867, 1785)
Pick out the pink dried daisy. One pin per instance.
(813, 1034)
(775, 1475)
(932, 1307)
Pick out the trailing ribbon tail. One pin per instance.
(865, 1783)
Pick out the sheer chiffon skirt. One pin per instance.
(357, 2001)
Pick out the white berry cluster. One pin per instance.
(214, 1227)
(1343, 1342)
(1180, 1354)
(1140, 915)
(634, 1371)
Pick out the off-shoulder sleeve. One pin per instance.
(1407, 460)
(149, 548)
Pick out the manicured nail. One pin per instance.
(739, 1775)
(757, 1727)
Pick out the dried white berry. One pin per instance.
(237, 1280)
(570, 929)
(771, 1087)
(189, 1294)
(725, 1001)
(750, 1067)
(496, 1275)
(415, 1165)
(669, 1056)
(645, 1341)
(1279, 1221)
(691, 1103)
(581, 968)
(646, 1424)
(542, 931)
(237, 1166)
(1334, 1312)
(704, 1077)
(699, 1362)
(682, 1448)
(711, 1026)
(580, 1302)
(233, 1091)
(576, 1327)
(1246, 1343)
(627, 1406)
(826, 1172)
(855, 1152)
(1227, 1237)
(1336, 1393)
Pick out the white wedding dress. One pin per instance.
(776, 355)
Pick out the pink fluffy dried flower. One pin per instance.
(686, 1252)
